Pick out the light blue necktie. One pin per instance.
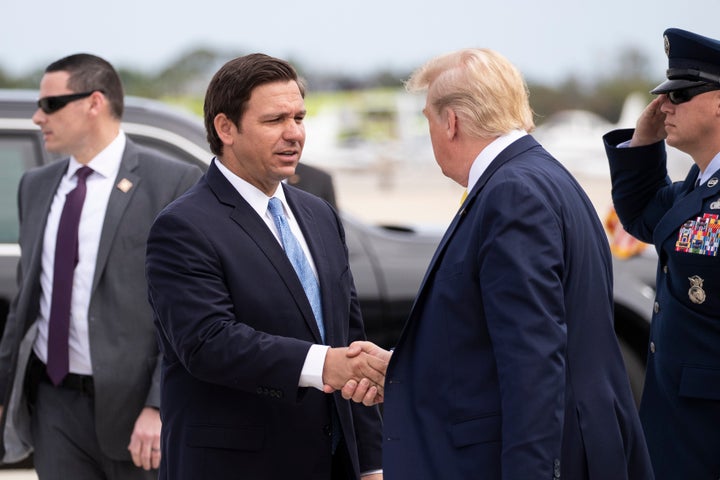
(299, 261)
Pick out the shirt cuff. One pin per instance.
(371, 472)
(311, 374)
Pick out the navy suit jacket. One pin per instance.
(235, 327)
(508, 367)
(680, 407)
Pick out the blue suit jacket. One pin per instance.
(235, 327)
(680, 408)
(508, 366)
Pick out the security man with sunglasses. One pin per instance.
(79, 361)
(680, 408)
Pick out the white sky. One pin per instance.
(547, 40)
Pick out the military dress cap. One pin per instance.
(692, 60)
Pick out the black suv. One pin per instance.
(388, 264)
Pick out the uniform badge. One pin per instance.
(715, 205)
(667, 46)
(712, 182)
(124, 185)
(696, 292)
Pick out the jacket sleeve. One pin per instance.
(641, 189)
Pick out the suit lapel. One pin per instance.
(43, 197)
(126, 184)
(247, 219)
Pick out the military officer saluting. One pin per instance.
(680, 408)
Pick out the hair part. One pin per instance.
(485, 90)
(230, 89)
(92, 73)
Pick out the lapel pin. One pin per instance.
(712, 182)
(124, 185)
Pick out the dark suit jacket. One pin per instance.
(680, 407)
(235, 327)
(125, 358)
(508, 366)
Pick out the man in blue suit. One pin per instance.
(247, 342)
(680, 407)
(508, 366)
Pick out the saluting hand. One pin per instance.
(650, 127)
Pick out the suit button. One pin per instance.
(656, 307)
(652, 347)
(327, 430)
(665, 269)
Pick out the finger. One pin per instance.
(155, 458)
(372, 368)
(146, 456)
(357, 347)
(348, 389)
(361, 390)
(134, 449)
(372, 397)
(377, 364)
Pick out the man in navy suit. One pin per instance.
(508, 366)
(680, 407)
(246, 348)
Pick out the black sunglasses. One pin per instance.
(677, 97)
(53, 104)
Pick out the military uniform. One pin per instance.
(680, 408)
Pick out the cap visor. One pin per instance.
(677, 84)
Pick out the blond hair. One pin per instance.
(481, 86)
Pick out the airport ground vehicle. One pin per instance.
(388, 264)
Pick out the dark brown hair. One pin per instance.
(89, 73)
(230, 89)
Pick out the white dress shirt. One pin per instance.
(99, 185)
(311, 374)
(488, 154)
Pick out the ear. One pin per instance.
(451, 124)
(225, 128)
(717, 103)
(98, 101)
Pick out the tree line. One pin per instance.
(189, 74)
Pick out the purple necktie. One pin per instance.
(66, 258)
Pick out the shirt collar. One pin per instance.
(710, 170)
(253, 195)
(107, 162)
(488, 154)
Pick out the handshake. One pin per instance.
(358, 371)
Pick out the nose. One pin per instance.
(39, 117)
(665, 104)
(295, 130)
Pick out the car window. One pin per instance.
(18, 153)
